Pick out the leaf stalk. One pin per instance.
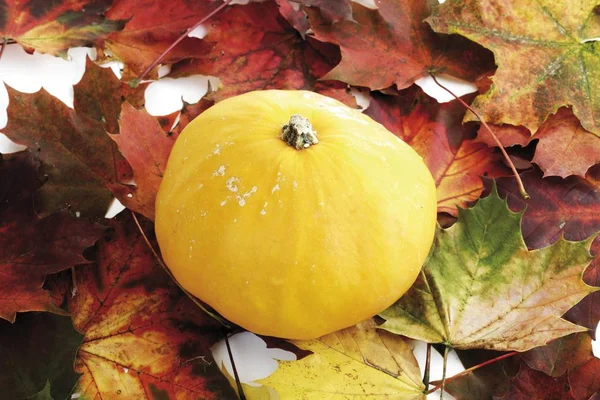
(522, 190)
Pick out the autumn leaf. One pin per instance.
(255, 48)
(78, 158)
(393, 46)
(151, 28)
(146, 147)
(332, 10)
(54, 27)
(360, 361)
(544, 53)
(100, 93)
(562, 208)
(435, 132)
(143, 338)
(561, 355)
(38, 352)
(32, 247)
(482, 288)
(533, 385)
(564, 148)
(585, 380)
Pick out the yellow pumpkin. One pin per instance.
(294, 234)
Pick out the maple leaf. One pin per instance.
(395, 42)
(79, 159)
(38, 352)
(54, 27)
(99, 95)
(146, 147)
(255, 48)
(533, 385)
(482, 288)
(564, 148)
(360, 361)
(544, 58)
(561, 355)
(143, 338)
(585, 380)
(32, 247)
(562, 208)
(151, 28)
(435, 132)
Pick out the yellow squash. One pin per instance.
(298, 234)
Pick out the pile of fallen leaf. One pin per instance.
(512, 284)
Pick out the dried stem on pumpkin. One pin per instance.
(487, 127)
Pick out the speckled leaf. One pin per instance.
(544, 58)
(256, 48)
(38, 352)
(32, 247)
(144, 339)
(55, 26)
(78, 158)
(393, 46)
(435, 132)
(482, 288)
(357, 362)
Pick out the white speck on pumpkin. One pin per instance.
(231, 184)
(295, 185)
(264, 209)
(242, 199)
(200, 186)
(203, 214)
(220, 171)
(223, 202)
(275, 188)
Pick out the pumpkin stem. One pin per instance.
(299, 133)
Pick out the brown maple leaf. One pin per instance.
(55, 26)
(255, 48)
(144, 339)
(32, 247)
(434, 131)
(564, 148)
(394, 46)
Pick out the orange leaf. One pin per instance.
(434, 131)
(144, 339)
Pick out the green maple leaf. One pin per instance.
(482, 288)
(544, 52)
